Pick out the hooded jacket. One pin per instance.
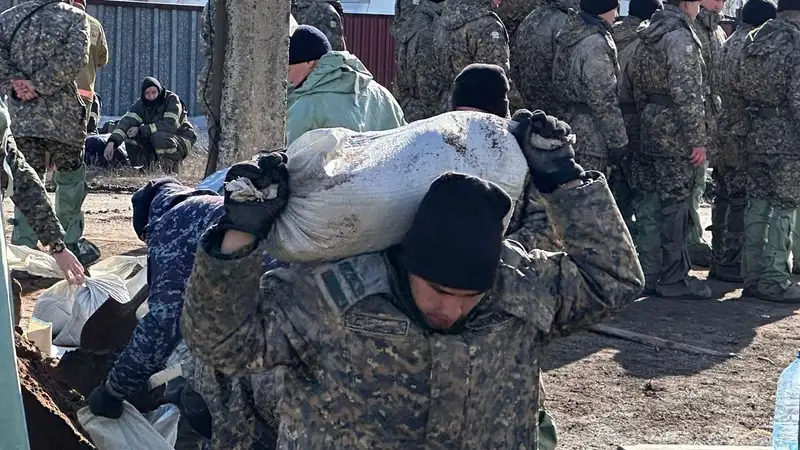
(771, 54)
(340, 92)
(669, 65)
(732, 124)
(165, 114)
(711, 36)
(585, 72)
(534, 47)
(627, 41)
(418, 82)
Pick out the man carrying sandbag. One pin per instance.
(435, 342)
(333, 89)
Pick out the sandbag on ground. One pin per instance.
(353, 193)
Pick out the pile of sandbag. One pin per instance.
(353, 192)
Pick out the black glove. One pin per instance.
(616, 155)
(255, 216)
(104, 402)
(547, 145)
(190, 403)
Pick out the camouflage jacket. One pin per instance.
(98, 54)
(468, 32)
(178, 217)
(772, 53)
(711, 36)
(732, 122)
(668, 85)
(418, 84)
(168, 117)
(534, 47)
(326, 15)
(513, 12)
(50, 49)
(585, 73)
(627, 41)
(360, 374)
(402, 11)
(26, 188)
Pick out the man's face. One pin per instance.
(692, 9)
(610, 17)
(442, 306)
(299, 72)
(151, 93)
(713, 5)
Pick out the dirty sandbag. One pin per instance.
(353, 192)
(88, 299)
(122, 266)
(54, 305)
(34, 262)
(133, 431)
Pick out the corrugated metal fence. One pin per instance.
(163, 40)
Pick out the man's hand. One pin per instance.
(104, 401)
(698, 156)
(256, 192)
(108, 153)
(72, 268)
(546, 143)
(133, 132)
(24, 90)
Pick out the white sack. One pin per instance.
(133, 431)
(54, 305)
(34, 262)
(353, 193)
(88, 298)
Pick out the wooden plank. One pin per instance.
(690, 447)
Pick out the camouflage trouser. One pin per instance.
(772, 198)
(695, 237)
(663, 187)
(70, 179)
(727, 219)
(619, 183)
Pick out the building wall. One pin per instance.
(369, 38)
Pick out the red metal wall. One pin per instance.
(369, 37)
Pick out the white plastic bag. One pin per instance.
(353, 193)
(54, 305)
(88, 299)
(133, 431)
(34, 262)
(121, 266)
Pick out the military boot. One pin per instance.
(786, 292)
(700, 254)
(690, 288)
(86, 252)
(728, 274)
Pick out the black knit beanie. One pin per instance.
(644, 9)
(481, 86)
(307, 44)
(598, 7)
(756, 12)
(788, 5)
(457, 234)
(143, 199)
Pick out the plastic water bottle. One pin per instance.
(787, 408)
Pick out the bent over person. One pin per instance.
(434, 343)
(156, 127)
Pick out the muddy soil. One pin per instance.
(51, 407)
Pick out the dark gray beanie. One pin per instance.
(756, 12)
(307, 44)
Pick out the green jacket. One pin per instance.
(340, 92)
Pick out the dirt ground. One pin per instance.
(602, 391)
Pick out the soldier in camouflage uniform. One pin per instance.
(534, 48)
(324, 15)
(711, 36)
(729, 166)
(27, 192)
(627, 41)
(585, 73)
(668, 87)
(434, 343)
(773, 158)
(44, 45)
(469, 32)
(417, 84)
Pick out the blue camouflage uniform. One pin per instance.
(178, 216)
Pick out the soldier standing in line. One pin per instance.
(469, 32)
(98, 57)
(534, 48)
(627, 41)
(773, 159)
(711, 36)
(433, 343)
(326, 16)
(729, 163)
(417, 81)
(44, 45)
(668, 87)
(585, 73)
